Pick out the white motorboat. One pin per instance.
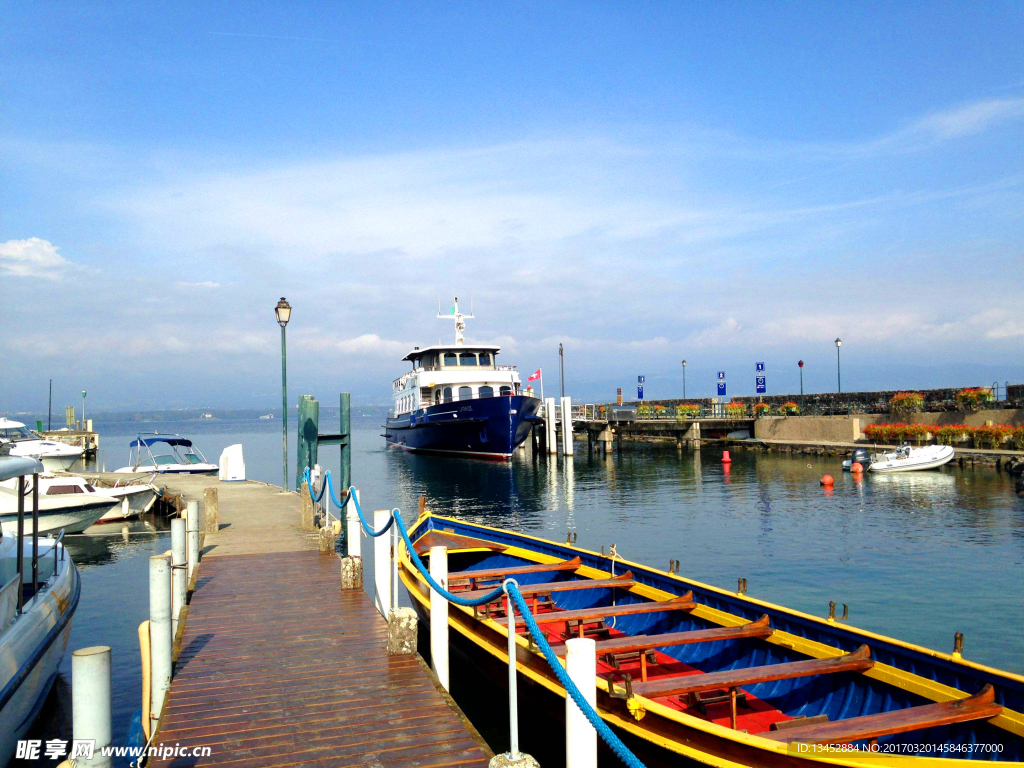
(183, 459)
(62, 506)
(134, 498)
(903, 459)
(55, 456)
(34, 630)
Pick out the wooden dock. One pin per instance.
(279, 666)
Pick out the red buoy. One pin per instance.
(726, 459)
(856, 467)
(828, 481)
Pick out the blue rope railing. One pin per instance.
(511, 588)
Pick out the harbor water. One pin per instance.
(916, 556)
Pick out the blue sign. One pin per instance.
(721, 389)
(721, 375)
(760, 382)
(640, 392)
(639, 379)
(760, 367)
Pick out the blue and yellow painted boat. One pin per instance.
(688, 670)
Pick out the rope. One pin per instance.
(588, 711)
(309, 484)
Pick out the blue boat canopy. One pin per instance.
(148, 441)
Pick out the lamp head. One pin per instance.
(839, 342)
(684, 363)
(83, 393)
(283, 310)
(800, 363)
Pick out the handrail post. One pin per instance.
(394, 566)
(513, 693)
(192, 535)
(382, 563)
(35, 534)
(439, 616)
(355, 530)
(21, 543)
(580, 736)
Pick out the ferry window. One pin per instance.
(506, 391)
(486, 391)
(467, 358)
(465, 393)
(437, 397)
(447, 394)
(450, 358)
(485, 358)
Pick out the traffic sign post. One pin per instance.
(759, 382)
(721, 389)
(759, 367)
(639, 391)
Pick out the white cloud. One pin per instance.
(199, 286)
(366, 344)
(33, 257)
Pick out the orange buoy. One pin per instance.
(827, 480)
(726, 459)
(856, 467)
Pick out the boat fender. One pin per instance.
(827, 480)
(726, 459)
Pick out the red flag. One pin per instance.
(535, 376)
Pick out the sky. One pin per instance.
(726, 183)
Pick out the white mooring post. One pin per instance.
(193, 539)
(549, 425)
(355, 530)
(382, 563)
(580, 736)
(159, 633)
(179, 576)
(567, 426)
(439, 615)
(90, 701)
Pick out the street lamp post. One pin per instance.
(561, 367)
(83, 410)
(283, 311)
(839, 369)
(800, 363)
(684, 379)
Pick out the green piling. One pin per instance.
(345, 430)
(309, 429)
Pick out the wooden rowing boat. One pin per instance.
(687, 669)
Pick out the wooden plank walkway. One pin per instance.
(279, 667)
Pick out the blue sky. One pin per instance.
(726, 182)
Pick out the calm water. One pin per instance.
(916, 556)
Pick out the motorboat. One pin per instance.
(688, 671)
(37, 603)
(903, 459)
(54, 455)
(135, 498)
(60, 509)
(458, 400)
(176, 455)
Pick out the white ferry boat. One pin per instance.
(458, 400)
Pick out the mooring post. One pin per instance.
(345, 428)
(90, 701)
(567, 426)
(179, 572)
(513, 758)
(549, 424)
(382, 563)
(211, 510)
(355, 529)
(439, 616)
(160, 641)
(192, 536)
(580, 736)
(309, 436)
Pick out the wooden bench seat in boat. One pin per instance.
(625, 581)
(980, 706)
(630, 643)
(731, 679)
(497, 573)
(681, 603)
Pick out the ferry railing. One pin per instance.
(514, 601)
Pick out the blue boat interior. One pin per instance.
(838, 696)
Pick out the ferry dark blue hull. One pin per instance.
(490, 427)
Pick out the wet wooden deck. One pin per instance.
(281, 667)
